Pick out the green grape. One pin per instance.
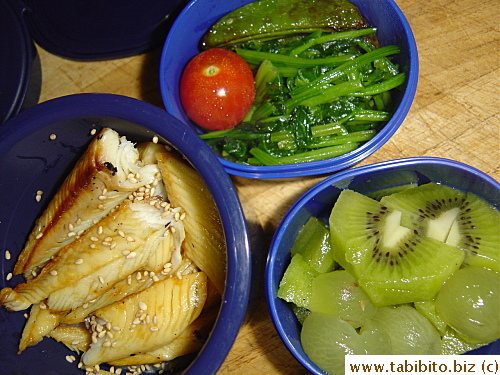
(469, 302)
(326, 339)
(337, 293)
(410, 332)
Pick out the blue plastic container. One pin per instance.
(198, 16)
(30, 161)
(319, 201)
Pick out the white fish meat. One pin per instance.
(97, 184)
(147, 320)
(120, 236)
(205, 242)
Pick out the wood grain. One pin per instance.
(454, 115)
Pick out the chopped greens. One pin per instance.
(318, 96)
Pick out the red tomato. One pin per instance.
(217, 89)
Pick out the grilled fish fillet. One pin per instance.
(99, 182)
(189, 341)
(205, 242)
(75, 338)
(136, 282)
(40, 322)
(125, 238)
(147, 320)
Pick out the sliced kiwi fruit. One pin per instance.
(394, 264)
(454, 217)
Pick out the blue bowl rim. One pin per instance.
(322, 166)
(271, 286)
(238, 278)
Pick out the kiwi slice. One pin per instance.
(296, 284)
(313, 243)
(392, 263)
(454, 217)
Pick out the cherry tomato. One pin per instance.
(217, 89)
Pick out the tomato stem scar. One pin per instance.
(211, 71)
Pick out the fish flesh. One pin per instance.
(147, 320)
(103, 177)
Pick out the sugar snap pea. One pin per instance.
(267, 19)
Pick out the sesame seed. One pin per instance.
(71, 234)
(104, 191)
(155, 139)
(131, 255)
(70, 358)
(79, 261)
(102, 197)
(136, 321)
(38, 198)
(155, 320)
(101, 207)
(143, 306)
(93, 131)
(43, 306)
(33, 273)
(9, 276)
(117, 329)
(99, 229)
(113, 245)
(130, 239)
(183, 215)
(125, 252)
(94, 239)
(75, 342)
(121, 234)
(39, 235)
(155, 278)
(101, 334)
(53, 273)
(101, 280)
(92, 246)
(85, 305)
(7, 254)
(153, 329)
(138, 276)
(133, 180)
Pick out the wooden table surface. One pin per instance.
(454, 115)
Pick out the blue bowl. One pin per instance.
(29, 161)
(182, 44)
(319, 201)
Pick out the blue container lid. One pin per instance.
(15, 60)
(96, 29)
(80, 30)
